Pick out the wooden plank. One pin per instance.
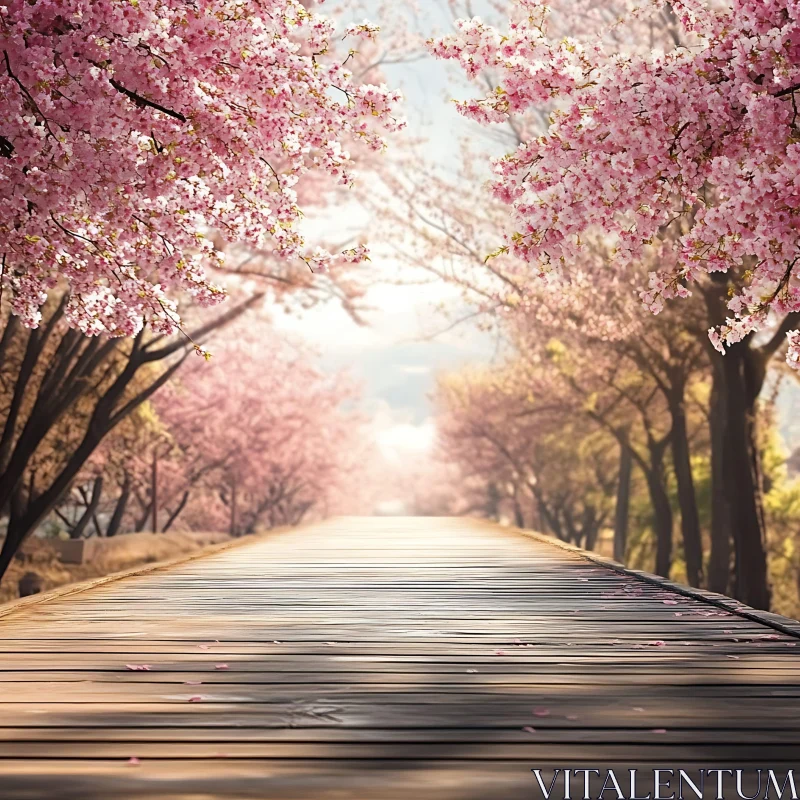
(373, 658)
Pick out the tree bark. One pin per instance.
(80, 526)
(622, 508)
(662, 512)
(119, 509)
(142, 521)
(719, 564)
(687, 498)
(740, 375)
(233, 521)
(174, 515)
(742, 476)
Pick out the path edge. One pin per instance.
(59, 592)
(778, 622)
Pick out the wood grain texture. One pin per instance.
(382, 658)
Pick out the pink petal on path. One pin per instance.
(657, 643)
(659, 730)
(670, 602)
(193, 683)
(195, 698)
(133, 761)
(541, 712)
(221, 666)
(138, 667)
(528, 729)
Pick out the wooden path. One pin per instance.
(379, 659)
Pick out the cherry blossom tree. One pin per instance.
(539, 458)
(131, 128)
(64, 392)
(689, 150)
(260, 444)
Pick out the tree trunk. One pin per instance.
(742, 476)
(119, 510)
(154, 491)
(739, 376)
(174, 515)
(232, 531)
(622, 507)
(662, 513)
(142, 521)
(719, 564)
(80, 527)
(687, 498)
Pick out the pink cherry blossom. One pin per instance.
(691, 149)
(131, 128)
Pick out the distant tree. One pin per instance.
(58, 374)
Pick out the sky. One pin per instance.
(397, 355)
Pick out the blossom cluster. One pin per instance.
(698, 146)
(132, 126)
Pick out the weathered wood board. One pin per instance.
(382, 658)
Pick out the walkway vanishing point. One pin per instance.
(385, 658)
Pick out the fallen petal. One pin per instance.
(221, 666)
(195, 698)
(133, 761)
(138, 667)
(528, 729)
(541, 712)
(659, 730)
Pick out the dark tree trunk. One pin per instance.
(742, 476)
(687, 498)
(662, 511)
(119, 509)
(719, 564)
(80, 527)
(142, 521)
(739, 375)
(174, 515)
(622, 508)
(233, 521)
